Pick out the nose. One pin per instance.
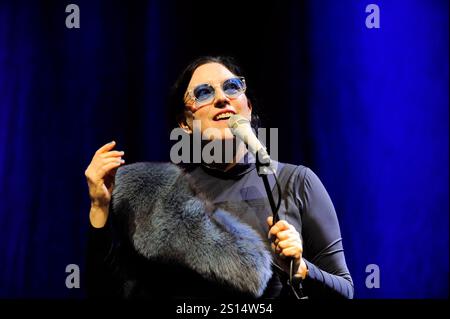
(221, 100)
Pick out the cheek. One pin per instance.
(242, 106)
(203, 116)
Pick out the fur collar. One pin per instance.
(169, 221)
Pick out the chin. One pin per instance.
(222, 133)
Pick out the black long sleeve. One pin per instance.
(103, 263)
(114, 269)
(305, 204)
(328, 275)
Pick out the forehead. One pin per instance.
(210, 72)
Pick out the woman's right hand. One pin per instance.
(100, 178)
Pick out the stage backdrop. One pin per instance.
(366, 109)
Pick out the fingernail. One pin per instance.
(112, 142)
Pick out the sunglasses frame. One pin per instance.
(190, 92)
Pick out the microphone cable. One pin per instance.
(300, 294)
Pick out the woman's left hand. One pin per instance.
(287, 243)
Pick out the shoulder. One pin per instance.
(146, 170)
(302, 177)
(142, 178)
(293, 170)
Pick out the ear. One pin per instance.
(186, 122)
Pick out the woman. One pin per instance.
(205, 230)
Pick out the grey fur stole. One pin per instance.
(168, 220)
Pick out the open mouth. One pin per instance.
(223, 116)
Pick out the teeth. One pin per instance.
(224, 115)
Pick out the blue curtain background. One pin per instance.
(366, 109)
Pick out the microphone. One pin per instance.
(241, 128)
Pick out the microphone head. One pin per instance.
(236, 120)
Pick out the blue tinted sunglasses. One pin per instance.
(205, 93)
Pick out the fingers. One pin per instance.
(293, 252)
(281, 223)
(110, 166)
(101, 172)
(285, 234)
(287, 241)
(98, 163)
(110, 159)
(111, 154)
(291, 242)
(279, 226)
(108, 163)
(288, 248)
(106, 147)
(104, 160)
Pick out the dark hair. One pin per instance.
(176, 99)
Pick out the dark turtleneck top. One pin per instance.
(305, 204)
